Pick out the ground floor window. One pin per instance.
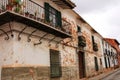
(55, 66)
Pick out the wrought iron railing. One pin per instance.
(81, 41)
(30, 9)
(95, 46)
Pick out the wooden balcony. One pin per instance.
(65, 4)
(31, 14)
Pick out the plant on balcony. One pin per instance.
(31, 16)
(35, 14)
(17, 4)
(17, 9)
(9, 6)
(27, 14)
(81, 41)
(95, 47)
(3, 8)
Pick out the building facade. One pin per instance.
(92, 50)
(115, 44)
(47, 40)
(38, 42)
(110, 59)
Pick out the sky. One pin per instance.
(102, 15)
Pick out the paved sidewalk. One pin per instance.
(103, 75)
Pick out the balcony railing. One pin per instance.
(34, 11)
(81, 41)
(95, 47)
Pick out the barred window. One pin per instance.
(55, 66)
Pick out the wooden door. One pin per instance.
(81, 56)
(96, 64)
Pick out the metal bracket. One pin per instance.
(58, 43)
(41, 39)
(11, 30)
(31, 35)
(6, 38)
(69, 41)
(51, 40)
(19, 38)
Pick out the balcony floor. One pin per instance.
(11, 16)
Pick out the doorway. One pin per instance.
(96, 64)
(81, 58)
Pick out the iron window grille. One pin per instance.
(55, 64)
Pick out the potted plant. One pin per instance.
(16, 2)
(27, 14)
(17, 9)
(2, 8)
(9, 6)
(35, 14)
(32, 16)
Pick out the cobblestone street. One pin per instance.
(113, 76)
(109, 75)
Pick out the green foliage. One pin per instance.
(3, 8)
(17, 9)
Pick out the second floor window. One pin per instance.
(78, 29)
(93, 41)
(95, 46)
(52, 16)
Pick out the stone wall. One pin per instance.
(70, 73)
(25, 73)
(37, 73)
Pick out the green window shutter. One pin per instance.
(55, 64)
(47, 12)
(59, 19)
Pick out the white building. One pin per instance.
(110, 55)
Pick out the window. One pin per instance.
(106, 45)
(52, 16)
(100, 61)
(106, 51)
(78, 28)
(95, 46)
(93, 39)
(55, 65)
